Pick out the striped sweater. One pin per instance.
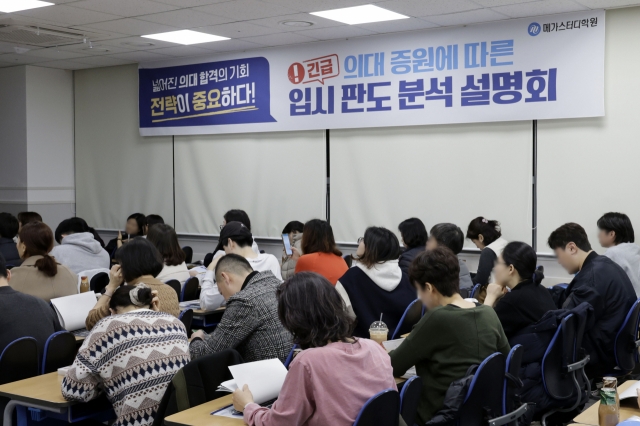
(132, 357)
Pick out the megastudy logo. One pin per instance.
(534, 29)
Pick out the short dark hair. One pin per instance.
(414, 233)
(448, 235)
(524, 259)
(317, 237)
(241, 241)
(489, 229)
(74, 225)
(166, 241)
(380, 245)
(237, 215)
(293, 226)
(440, 268)
(3, 267)
(141, 220)
(233, 263)
(620, 224)
(122, 297)
(37, 238)
(313, 311)
(153, 219)
(8, 225)
(139, 257)
(29, 217)
(569, 233)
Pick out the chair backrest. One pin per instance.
(99, 282)
(186, 317)
(290, 356)
(175, 284)
(190, 289)
(409, 399)
(625, 349)
(484, 397)
(188, 251)
(514, 362)
(382, 409)
(59, 351)
(560, 352)
(19, 360)
(411, 316)
(474, 290)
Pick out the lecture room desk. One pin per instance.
(201, 414)
(204, 318)
(627, 409)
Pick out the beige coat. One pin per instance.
(288, 267)
(28, 279)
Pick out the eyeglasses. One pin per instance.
(361, 239)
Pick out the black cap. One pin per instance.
(231, 230)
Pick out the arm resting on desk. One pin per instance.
(81, 383)
(210, 297)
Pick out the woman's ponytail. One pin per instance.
(47, 265)
(538, 275)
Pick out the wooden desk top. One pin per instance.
(628, 409)
(42, 390)
(201, 415)
(201, 312)
(404, 336)
(80, 338)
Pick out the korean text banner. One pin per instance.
(533, 68)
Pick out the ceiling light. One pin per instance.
(296, 23)
(137, 44)
(8, 6)
(360, 14)
(186, 37)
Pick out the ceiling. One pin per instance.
(114, 26)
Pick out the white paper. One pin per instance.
(632, 392)
(73, 310)
(410, 373)
(190, 304)
(199, 269)
(391, 345)
(265, 378)
(227, 412)
(228, 386)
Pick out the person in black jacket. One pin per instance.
(414, 236)
(527, 301)
(8, 230)
(600, 282)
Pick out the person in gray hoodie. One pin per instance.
(78, 249)
(616, 235)
(451, 236)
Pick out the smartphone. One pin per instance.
(287, 244)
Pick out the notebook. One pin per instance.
(265, 379)
(73, 310)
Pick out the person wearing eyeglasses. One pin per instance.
(234, 215)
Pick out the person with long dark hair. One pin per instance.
(165, 239)
(133, 228)
(39, 274)
(321, 254)
(527, 301)
(414, 238)
(334, 375)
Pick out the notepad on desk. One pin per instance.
(631, 392)
(73, 311)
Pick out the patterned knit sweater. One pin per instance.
(132, 357)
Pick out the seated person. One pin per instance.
(487, 236)
(414, 237)
(133, 228)
(376, 284)
(321, 254)
(234, 238)
(166, 241)
(603, 284)
(335, 374)
(150, 220)
(139, 263)
(451, 236)
(616, 235)
(78, 250)
(294, 230)
(146, 349)
(40, 275)
(8, 230)
(28, 217)
(453, 334)
(250, 323)
(235, 215)
(41, 322)
(527, 301)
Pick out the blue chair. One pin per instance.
(382, 409)
(290, 356)
(59, 351)
(186, 317)
(175, 284)
(411, 316)
(99, 282)
(627, 342)
(190, 289)
(409, 399)
(512, 379)
(474, 290)
(19, 360)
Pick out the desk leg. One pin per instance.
(8, 411)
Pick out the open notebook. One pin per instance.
(73, 310)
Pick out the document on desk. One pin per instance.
(264, 378)
(190, 304)
(73, 310)
(228, 412)
(632, 392)
(391, 345)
